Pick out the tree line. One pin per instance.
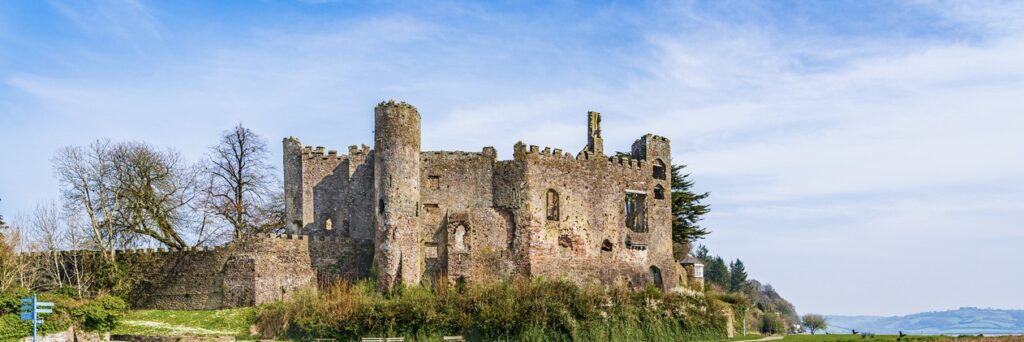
(131, 194)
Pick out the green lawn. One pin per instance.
(884, 338)
(233, 322)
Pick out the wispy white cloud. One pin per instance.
(123, 19)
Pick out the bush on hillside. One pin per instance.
(516, 309)
(97, 314)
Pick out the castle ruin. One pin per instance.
(417, 216)
(467, 216)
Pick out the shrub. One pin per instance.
(99, 314)
(12, 327)
(771, 323)
(10, 301)
(502, 310)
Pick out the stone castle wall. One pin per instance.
(464, 233)
(327, 193)
(253, 271)
(588, 234)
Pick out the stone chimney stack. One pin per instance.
(595, 144)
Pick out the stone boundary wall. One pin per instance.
(256, 270)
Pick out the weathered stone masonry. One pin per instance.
(255, 270)
(586, 217)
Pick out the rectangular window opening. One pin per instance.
(636, 211)
(433, 182)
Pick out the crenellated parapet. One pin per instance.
(650, 147)
(584, 158)
(158, 252)
(396, 104)
(312, 174)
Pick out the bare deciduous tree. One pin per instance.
(241, 182)
(127, 192)
(86, 175)
(56, 232)
(50, 237)
(154, 189)
(13, 270)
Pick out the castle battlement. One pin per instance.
(451, 154)
(523, 152)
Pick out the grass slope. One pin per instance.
(228, 322)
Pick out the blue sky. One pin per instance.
(864, 157)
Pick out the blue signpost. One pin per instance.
(31, 309)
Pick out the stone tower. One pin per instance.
(396, 174)
(293, 198)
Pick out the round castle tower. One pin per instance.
(396, 177)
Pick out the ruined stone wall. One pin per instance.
(323, 188)
(176, 279)
(253, 271)
(339, 258)
(326, 193)
(588, 239)
(464, 234)
(475, 217)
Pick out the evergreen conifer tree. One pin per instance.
(703, 254)
(737, 276)
(687, 209)
(716, 272)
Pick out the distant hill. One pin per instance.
(953, 322)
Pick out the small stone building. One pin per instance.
(468, 216)
(694, 269)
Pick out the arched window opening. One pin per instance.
(659, 192)
(658, 169)
(328, 224)
(552, 205)
(380, 206)
(460, 238)
(656, 276)
(606, 246)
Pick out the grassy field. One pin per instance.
(232, 322)
(885, 338)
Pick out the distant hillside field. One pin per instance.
(953, 322)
